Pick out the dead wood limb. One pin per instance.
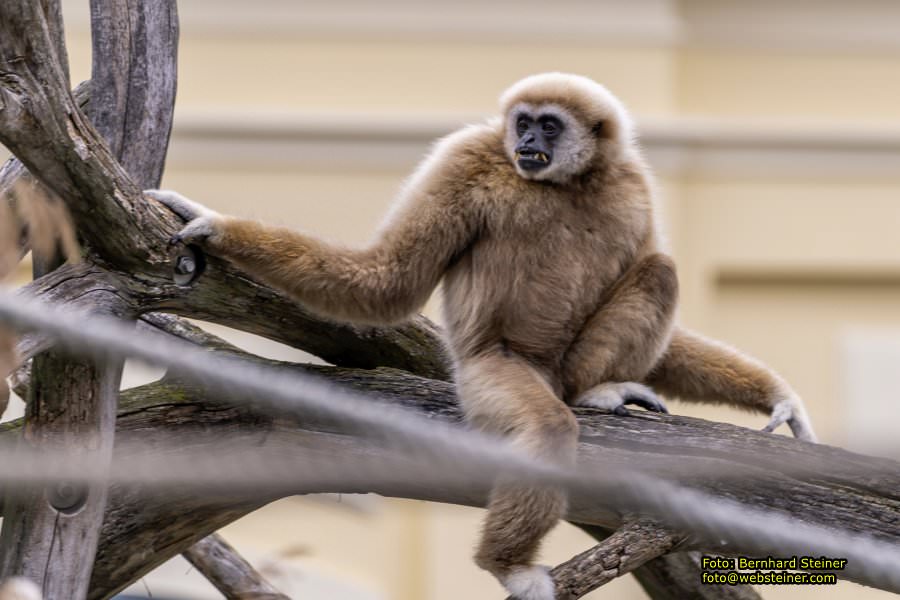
(134, 75)
(50, 534)
(20, 380)
(72, 402)
(14, 173)
(143, 528)
(676, 576)
(635, 543)
(415, 346)
(43, 126)
(227, 570)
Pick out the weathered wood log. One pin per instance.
(50, 534)
(143, 528)
(134, 75)
(45, 129)
(227, 570)
(242, 304)
(51, 537)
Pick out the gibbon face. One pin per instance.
(558, 126)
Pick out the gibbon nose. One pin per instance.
(525, 140)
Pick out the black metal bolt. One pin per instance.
(67, 497)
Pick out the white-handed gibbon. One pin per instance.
(541, 225)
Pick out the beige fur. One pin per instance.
(555, 289)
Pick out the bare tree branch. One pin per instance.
(676, 576)
(14, 173)
(415, 346)
(44, 128)
(631, 546)
(71, 406)
(229, 572)
(134, 74)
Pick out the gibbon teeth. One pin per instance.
(533, 156)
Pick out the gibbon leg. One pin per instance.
(622, 341)
(503, 394)
(698, 369)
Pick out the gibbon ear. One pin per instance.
(597, 129)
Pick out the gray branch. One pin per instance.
(142, 529)
(631, 546)
(227, 570)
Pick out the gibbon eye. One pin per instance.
(521, 126)
(549, 128)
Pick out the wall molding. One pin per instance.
(675, 146)
(612, 21)
(796, 25)
(835, 26)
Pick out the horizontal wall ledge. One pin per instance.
(674, 146)
(794, 25)
(857, 276)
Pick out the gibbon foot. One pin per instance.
(790, 411)
(530, 583)
(614, 396)
(201, 221)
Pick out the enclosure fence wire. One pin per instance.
(408, 447)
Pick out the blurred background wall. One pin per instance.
(774, 130)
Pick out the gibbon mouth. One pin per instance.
(532, 159)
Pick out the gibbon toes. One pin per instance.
(614, 397)
(184, 207)
(530, 583)
(197, 231)
(790, 411)
(201, 221)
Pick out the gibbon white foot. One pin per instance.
(791, 411)
(614, 396)
(530, 583)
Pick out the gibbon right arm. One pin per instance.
(382, 284)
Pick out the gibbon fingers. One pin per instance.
(541, 225)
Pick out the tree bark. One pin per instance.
(629, 547)
(676, 576)
(229, 572)
(145, 527)
(45, 129)
(50, 534)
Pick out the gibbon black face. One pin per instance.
(536, 140)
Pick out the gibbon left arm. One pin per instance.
(695, 368)
(384, 283)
